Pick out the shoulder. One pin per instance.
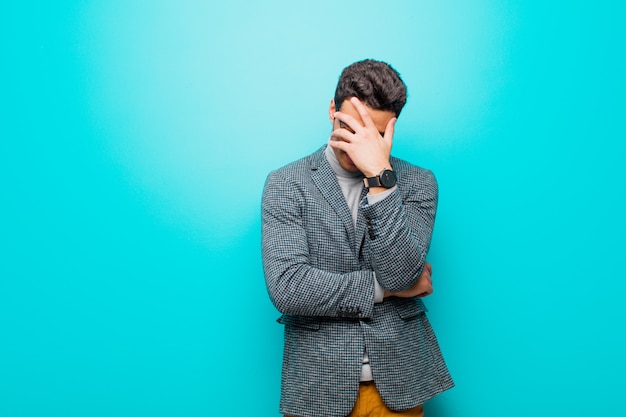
(298, 168)
(292, 180)
(409, 173)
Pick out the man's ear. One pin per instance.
(332, 109)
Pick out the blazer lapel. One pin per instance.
(360, 224)
(326, 181)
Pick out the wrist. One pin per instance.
(385, 179)
(376, 171)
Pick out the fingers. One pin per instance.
(365, 116)
(426, 288)
(341, 135)
(348, 123)
(426, 293)
(339, 144)
(425, 282)
(422, 288)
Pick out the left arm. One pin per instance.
(400, 225)
(400, 229)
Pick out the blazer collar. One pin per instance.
(325, 179)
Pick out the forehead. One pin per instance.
(379, 117)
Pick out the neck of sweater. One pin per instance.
(351, 184)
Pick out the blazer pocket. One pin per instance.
(409, 308)
(306, 322)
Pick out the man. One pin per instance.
(346, 232)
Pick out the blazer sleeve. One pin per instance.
(295, 286)
(400, 229)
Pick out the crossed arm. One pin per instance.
(422, 287)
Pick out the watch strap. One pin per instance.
(372, 181)
(386, 178)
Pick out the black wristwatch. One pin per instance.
(387, 178)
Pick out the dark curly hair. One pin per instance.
(375, 83)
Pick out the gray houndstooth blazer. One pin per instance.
(320, 274)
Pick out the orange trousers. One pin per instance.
(369, 404)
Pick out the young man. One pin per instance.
(346, 232)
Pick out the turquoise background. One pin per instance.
(135, 138)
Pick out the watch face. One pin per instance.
(388, 178)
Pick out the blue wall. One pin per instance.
(135, 138)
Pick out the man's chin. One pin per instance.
(350, 167)
(346, 162)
